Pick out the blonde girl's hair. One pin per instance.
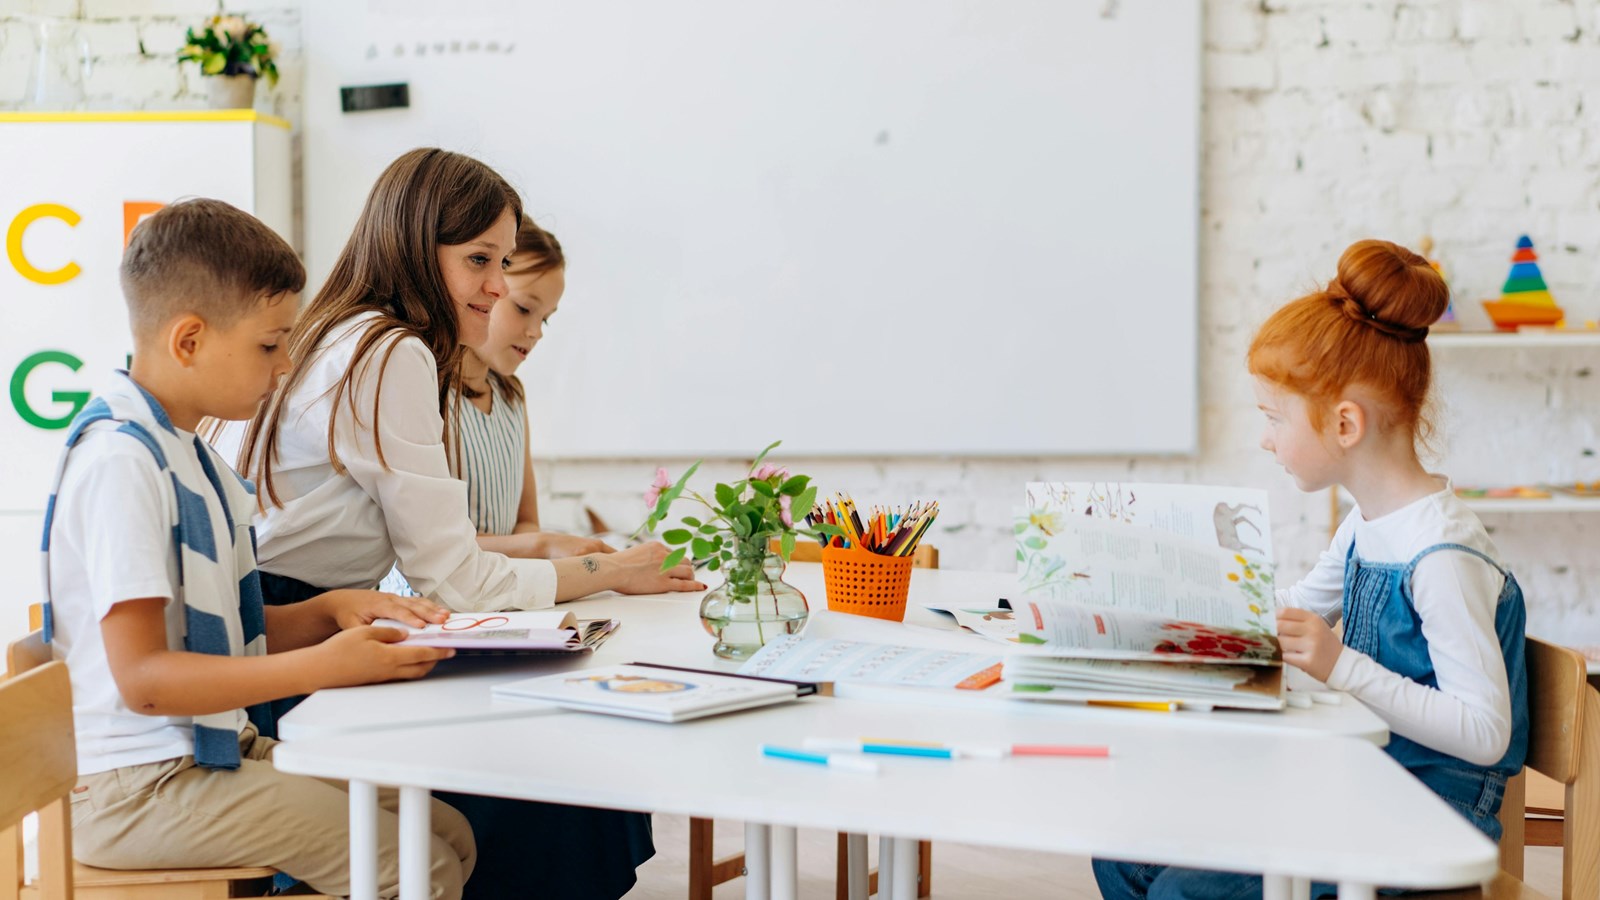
(537, 252)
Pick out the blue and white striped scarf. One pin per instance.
(217, 583)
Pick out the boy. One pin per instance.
(153, 601)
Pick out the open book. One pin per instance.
(517, 631)
(646, 692)
(1141, 593)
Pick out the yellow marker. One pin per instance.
(1167, 706)
(899, 743)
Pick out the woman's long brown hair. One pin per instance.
(426, 198)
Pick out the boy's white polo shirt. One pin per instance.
(111, 540)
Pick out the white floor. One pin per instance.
(959, 870)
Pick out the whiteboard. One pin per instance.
(898, 227)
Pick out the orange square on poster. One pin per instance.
(133, 212)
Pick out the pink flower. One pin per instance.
(662, 482)
(784, 514)
(768, 470)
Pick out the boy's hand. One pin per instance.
(1308, 643)
(370, 653)
(641, 571)
(352, 609)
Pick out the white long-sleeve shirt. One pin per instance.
(1455, 595)
(343, 530)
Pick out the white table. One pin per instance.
(446, 733)
(1207, 797)
(665, 628)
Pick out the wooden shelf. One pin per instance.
(1556, 503)
(1514, 340)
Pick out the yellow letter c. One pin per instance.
(19, 226)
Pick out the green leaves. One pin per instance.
(763, 455)
(674, 558)
(741, 510)
(229, 45)
(804, 503)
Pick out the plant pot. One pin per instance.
(232, 91)
(754, 604)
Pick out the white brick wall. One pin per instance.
(1325, 121)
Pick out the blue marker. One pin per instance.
(832, 760)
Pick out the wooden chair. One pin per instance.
(25, 659)
(1564, 746)
(706, 871)
(40, 761)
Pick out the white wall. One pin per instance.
(1324, 122)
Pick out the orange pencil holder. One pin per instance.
(864, 583)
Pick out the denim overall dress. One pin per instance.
(1380, 621)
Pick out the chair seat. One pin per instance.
(88, 876)
(1505, 886)
(91, 883)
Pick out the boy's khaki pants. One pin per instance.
(174, 814)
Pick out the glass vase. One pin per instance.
(753, 605)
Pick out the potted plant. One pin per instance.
(232, 53)
(743, 519)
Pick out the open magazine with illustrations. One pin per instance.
(517, 631)
(1137, 592)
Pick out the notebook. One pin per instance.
(526, 631)
(646, 692)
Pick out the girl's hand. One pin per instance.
(553, 545)
(1308, 643)
(352, 609)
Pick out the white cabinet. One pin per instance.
(75, 184)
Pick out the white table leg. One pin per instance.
(905, 869)
(363, 840)
(856, 866)
(1355, 890)
(1301, 889)
(416, 838)
(1276, 887)
(757, 861)
(885, 865)
(785, 874)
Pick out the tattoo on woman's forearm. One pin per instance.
(590, 565)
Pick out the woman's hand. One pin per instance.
(1308, 643)
(640, 571)
(353, 609)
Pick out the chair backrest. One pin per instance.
(924, 557)
(27, 653)
(1563, 745)
(40, 762)
(1557, 682)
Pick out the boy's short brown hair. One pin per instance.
(206, 257)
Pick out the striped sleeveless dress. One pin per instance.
(493, 446)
